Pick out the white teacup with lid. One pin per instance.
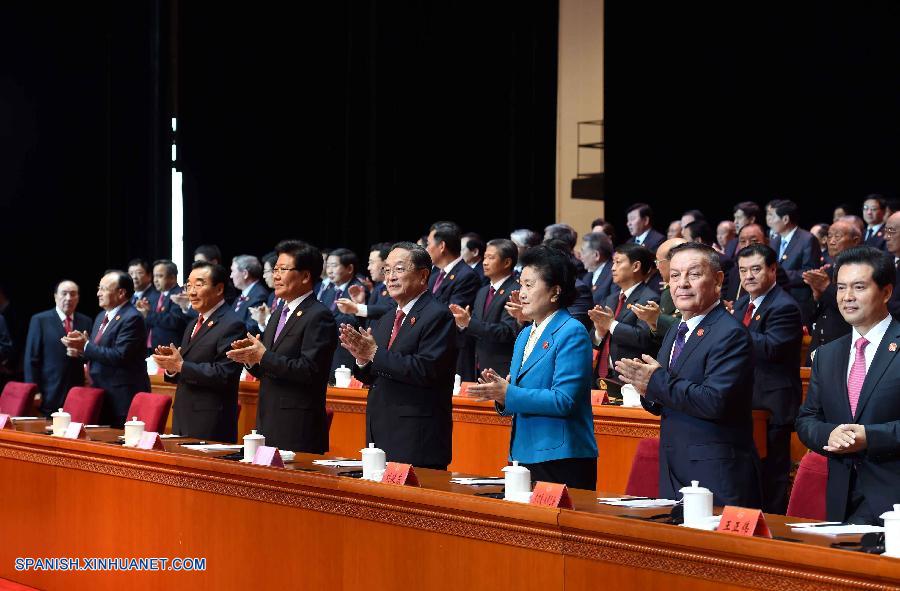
(61, 420)
(517, 481)
(252, 441)
(374, 462)
(892, 532)
(342, 377)
(698, 504)
(630, 396)
(133, 431)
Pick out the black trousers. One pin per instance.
(573, 472)
(858, 509)
(776, 469)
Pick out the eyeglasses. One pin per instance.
(280, 270)
(890, 231)
(398, 271)
(871, 208)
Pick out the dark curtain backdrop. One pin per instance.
(82, 183)
(345, 123)
(708, 105)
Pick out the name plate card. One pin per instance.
(744, 522)
(402, 474)
(551, 494)
(268, 456)
(150, 440)
(6, 422)
(354, 383)
(464, 388)
(75, 431)
(599, 397)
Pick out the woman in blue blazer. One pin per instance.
(548, 391)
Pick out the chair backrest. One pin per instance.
(643, 480)
(153, 409)
(17, 398)
(808, 494)
(84, 404)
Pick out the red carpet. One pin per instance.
(10, 586)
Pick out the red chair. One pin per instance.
(808, 494)
(643, 480)
(84, 404)
(17, 398)
(153, 409)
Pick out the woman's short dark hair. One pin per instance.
(883, 270)
(554, 268)
(306, 256)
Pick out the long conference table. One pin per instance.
(309, 527)
(480, 435)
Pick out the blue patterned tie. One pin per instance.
(679, 343)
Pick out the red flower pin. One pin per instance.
(546, 345)
(700, 333)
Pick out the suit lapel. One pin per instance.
(410, 319)
(698, 335)
(296, 317)
(500, 297)
(883, 358)
(208, 324)
(543, 344)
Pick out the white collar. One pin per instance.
(695, 320)
(246, 291)
(450, 265)
(640, 239)
(112, 313)
(496, 284)
(212, 310)
(62, 315)
(875, 228)
(631, 289)
(292, 305)
(758, 300)
(787, 237)
(597, 272)
(875, 334)
(409, 305)
(343, 287)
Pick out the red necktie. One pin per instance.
(160, 301)
(748, 315)
(488, 300)
(398, 320)
(67, 324)
(604, 353)
(197, 326)
(102, 329)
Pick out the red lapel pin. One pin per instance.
(451, 277)
(501, 291)
(210, 323)
(758, 317)
(117, 317)
(412, 321)
(546, 345)
(383, 292)
(700, 332)
(892, 347)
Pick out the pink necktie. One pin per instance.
(857, 374)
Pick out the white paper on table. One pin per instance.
(841, 530)
(339, 463)
(478, 481)
(168, 435)
(642, 503)
(26, 418)
(812, 524)
(286, 456)
(214, 447)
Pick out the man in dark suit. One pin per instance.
(472, 252)
(639, 218)
(46, 362)
(206, 400)
(773, 319)
(293, 359)
(408, 360)
(798, 251)
(165, 321)
(453, 282)
(115, 349)
(596, 254)
(701, 383)
(873, 214)
(246, 275)
(852, 410)
(488, 322)
(342, 265)
(142, 275)
(892, 245)
(379, 302)
(617, 332)
(827, 322)
(745, 212)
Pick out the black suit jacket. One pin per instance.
(479, 270)
(876, 240)
(293, 378)
(583, 302)
(341, 355)
(827, 406)
(803, 253)
(494, 330)
(894, 302)
(652, 241)
(149, 294)
(409, 409)
(379, 303)
(166, 326)
(46, 362)
(705, 400)
(459, 287)
(257, 295)
(827, 322)
(117, 361)
(207, 394)
(731, 286)
(632, 336)
(604, 285)
(777, 332)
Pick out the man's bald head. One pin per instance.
(842, 234)
(662, 256)
(892, 233)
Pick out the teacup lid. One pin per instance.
(134, 422)
(370, 449)
(61, 413)
(253, 435)
(694, 488)
(343, 368)
(515, 467)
